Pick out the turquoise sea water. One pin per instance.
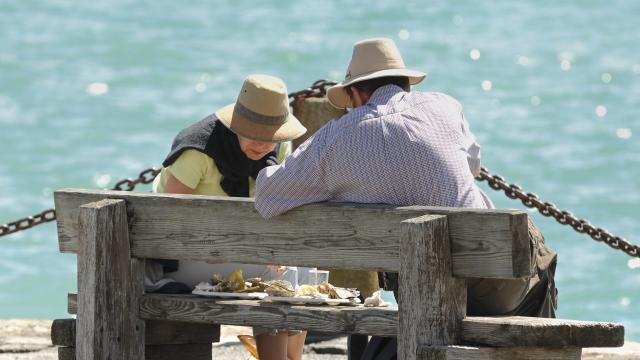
(92, 92)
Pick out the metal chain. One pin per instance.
(145, 177)
(317, 89)
(496, 182)
(28, 222)
(583, 226)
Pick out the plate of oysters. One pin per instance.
(275, 291)
(323, 294)
(235, 287)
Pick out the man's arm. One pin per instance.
(297, 181)
(472, 148)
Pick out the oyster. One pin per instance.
(310, 290)
(335, 292)
(253, 285)
(279, 288)
(216, 279)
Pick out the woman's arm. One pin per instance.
(174, 186)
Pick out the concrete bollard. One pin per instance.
(313, 113)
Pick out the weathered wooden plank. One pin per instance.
(179, 351)
(66, 353)
(486, 331)
(157, 352)
(527, 331)
(328, 319)
(110, 283)
(484, 243)
(177, 333)
(475, 353)
(63, 333)
(432, 303)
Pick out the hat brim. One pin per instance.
(339, 98)
(291, 129)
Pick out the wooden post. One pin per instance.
(313, 113)
(432, 303)
(110, 284)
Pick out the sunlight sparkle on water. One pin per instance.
(624, 133)
(566, 58)
(535, 100)
(201, 87)
(98, 88)
(601, 110)
(101, 180)
(606, 78)
(634, 263)
(403, 34)
(522, 60)
(486, 85)
(474, 54)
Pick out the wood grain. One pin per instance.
(527, 331)
(488, 331)
(432, 303)
(63, 333)
(328, 319)
(484, 243)
(157, 352)
(475, 353)
(110, 283)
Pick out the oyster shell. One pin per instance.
(279, 288)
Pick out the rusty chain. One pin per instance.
(317, 89)
(496, 182)
(563, 217)
(145, 177)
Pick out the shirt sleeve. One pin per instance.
(297, 181)
(471, 147)
(189, 168)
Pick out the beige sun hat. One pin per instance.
(261, 111)
(372, 58)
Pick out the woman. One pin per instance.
(222, 155)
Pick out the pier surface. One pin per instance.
(31, 340)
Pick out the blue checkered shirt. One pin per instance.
(401, 148)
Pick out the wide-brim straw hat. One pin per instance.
(261, 111)
(372, 58)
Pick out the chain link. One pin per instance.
(496, 182)
(548, 209)
(317, 89)
(145, 177)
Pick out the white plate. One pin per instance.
(307, 300)
(230, 295)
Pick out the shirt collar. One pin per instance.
(384, 93)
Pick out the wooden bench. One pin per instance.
(433, 249)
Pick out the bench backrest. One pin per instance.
(484, 243)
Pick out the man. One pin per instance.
(402, 148)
